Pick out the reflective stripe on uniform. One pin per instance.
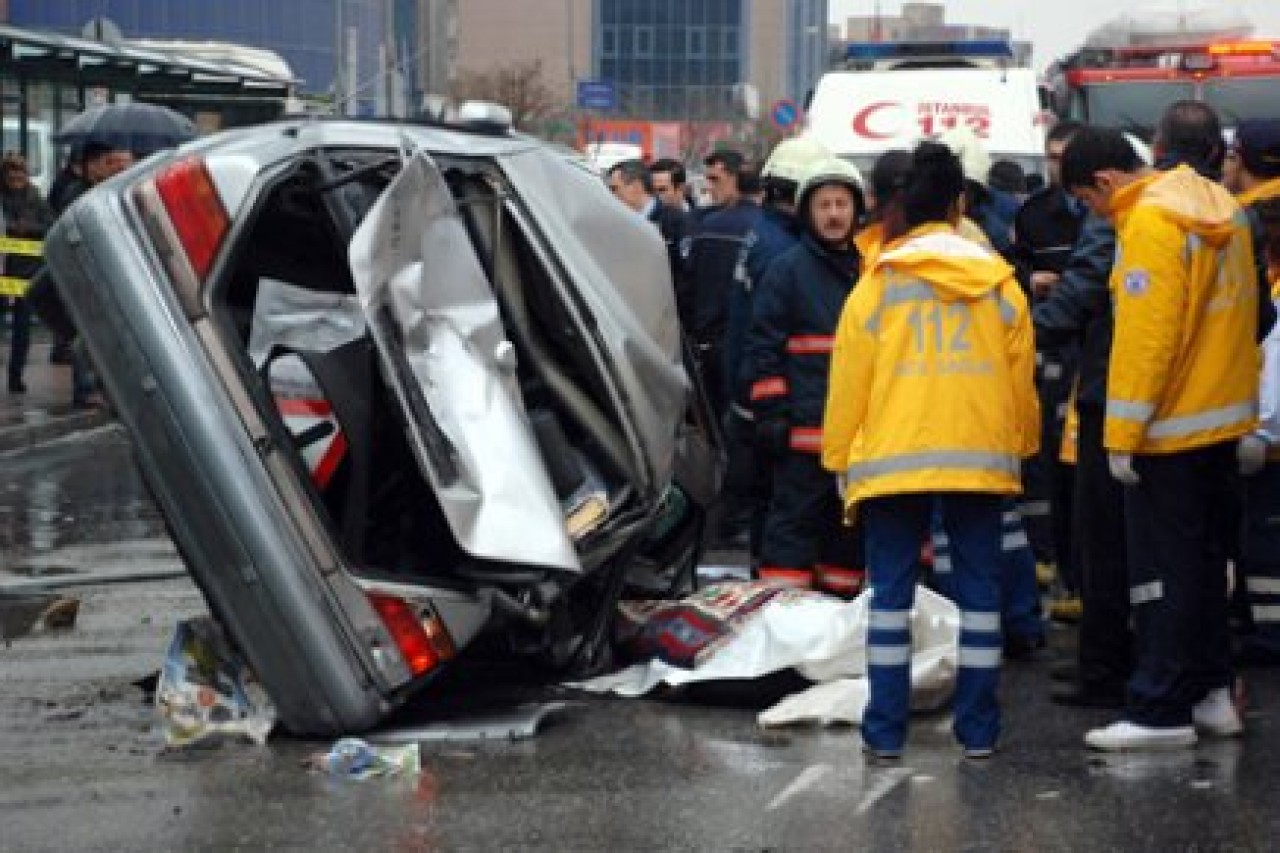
(974, 621)
(979, 658)
(806, 439)
(976, 460)
(810, 344)
(1011, 517)
(19, 246)
(1146, 592)
(1126, 411)
(1033, 508)
(1015, 540)
(1007, 312)
(1265, 612)
(1265, 586)
(899, 294)
(798, 578)
(1188, 424)
(888, 655)
(840, 580)
(942, 564)
(889, 620)
(903, 294)
(12, 286)
(772, 386)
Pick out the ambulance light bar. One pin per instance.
(864, 51)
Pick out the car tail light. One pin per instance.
(422, 641)
(191, 201)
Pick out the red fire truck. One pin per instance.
(1128, 87)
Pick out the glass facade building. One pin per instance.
(673, 59)
(303, 32)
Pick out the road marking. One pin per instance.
(883, 785)
(807, 779)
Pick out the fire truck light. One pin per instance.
(1243, 48)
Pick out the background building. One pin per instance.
(674, 60)
(927, 22)
(376, 33)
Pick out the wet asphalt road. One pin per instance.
(82, 765)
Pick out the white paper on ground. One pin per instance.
(825, 640)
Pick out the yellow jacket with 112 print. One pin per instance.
(1184, 362)
(932, 384)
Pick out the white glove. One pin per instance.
(1121, 465)
(1251, 453)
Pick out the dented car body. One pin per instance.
(393, 387)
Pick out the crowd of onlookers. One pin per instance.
(943, 367)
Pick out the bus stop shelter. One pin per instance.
(48, 77)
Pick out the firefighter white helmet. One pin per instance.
(969, 150)
(832, 170)
(792, 159)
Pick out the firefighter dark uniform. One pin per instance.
(794, 315)
(712, 264)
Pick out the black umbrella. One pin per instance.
(137, 127)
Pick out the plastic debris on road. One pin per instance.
(207, 691)
(352, 758)
(750, 630)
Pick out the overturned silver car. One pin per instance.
(394, 386)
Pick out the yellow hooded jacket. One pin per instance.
(932, 384)
(1184, 363)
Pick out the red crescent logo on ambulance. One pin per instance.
(862, 121)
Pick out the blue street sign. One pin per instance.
(597, 95)
(785, 113)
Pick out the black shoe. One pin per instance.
(1080, 696)
(60, 353)
(1025, 648)
(16, 385)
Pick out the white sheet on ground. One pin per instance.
(824, 639)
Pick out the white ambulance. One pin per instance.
(893, 95)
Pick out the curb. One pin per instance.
(25, 435)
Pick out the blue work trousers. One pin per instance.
(895, 527)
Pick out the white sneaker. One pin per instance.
(1124, 735)
(1216, 715)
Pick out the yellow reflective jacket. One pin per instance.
(932, 383)
(1184, 363)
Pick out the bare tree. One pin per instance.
(520, 87)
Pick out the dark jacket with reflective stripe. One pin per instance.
(794, 315)
(775, 234)
(713, 256)
(26, 216)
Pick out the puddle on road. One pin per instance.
(61, 495)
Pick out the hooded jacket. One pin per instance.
(932, 379)
(1184, 365)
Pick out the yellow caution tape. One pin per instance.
(10, 286)
(17, 246)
